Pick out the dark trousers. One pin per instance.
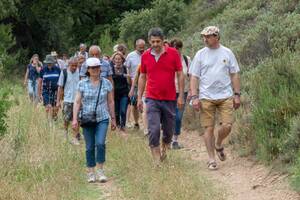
(121, 104)
(160, 114)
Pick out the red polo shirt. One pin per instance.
(161, 73)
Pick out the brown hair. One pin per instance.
(176, 43)
(118, 53)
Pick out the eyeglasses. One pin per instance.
(94, 67)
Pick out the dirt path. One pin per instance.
(242, 178)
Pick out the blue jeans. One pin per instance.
(32, 87)
(95, 140)
(121, 105)
(179, 115)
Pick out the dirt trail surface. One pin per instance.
(242, 178)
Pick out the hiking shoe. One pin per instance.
(100, 176)
(146, 132)
(91, 178)
(75, 141)
(136, 127)
(176, 145)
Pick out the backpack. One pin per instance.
(65, 73)
(186, 60)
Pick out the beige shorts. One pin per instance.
(209, 108)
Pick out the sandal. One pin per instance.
(221, 154)
(212, 165)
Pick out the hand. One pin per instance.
(180, 103)
(196, 104)
(25, 83)
(236, 102)
(131, 92)
(75, 124)
(113, 124)
(140, 105)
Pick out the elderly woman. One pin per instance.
(94, 104)
(31, 77)
(121, 89)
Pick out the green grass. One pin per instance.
(131, 164)
(37, 163)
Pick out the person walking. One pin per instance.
(47, 91)
(121, 89)
(217, 70)
(106, 70)
(67, 87)
(185, 61)
(31, 77)
(94, 105)
(159, 64)
(132, 61)
(82, 51)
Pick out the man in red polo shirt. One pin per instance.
(159, 64)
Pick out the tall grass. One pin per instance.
(36, 162)
(178, 178)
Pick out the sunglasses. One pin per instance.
(94, 67)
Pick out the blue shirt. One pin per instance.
(89, 94)
(32, 73)
(50, 77)
(106, 70)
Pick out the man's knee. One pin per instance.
(226, 126)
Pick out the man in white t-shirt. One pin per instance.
(133, 60)
(217, 70)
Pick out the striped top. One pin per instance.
(50, 77)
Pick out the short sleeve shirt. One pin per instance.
(50, 77)
(132, 62)
(161, 73)
(70, 86)
(106, 69)
(213, 68)
(89, 94)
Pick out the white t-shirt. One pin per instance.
(185, 73)
(132, 62)
(213, 68)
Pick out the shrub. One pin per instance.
(167, 14)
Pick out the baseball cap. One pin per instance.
(93, 62)
(210, 30)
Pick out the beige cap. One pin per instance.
(210, 30)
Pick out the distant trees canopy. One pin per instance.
(44, 25)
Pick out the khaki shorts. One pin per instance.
(209, 108)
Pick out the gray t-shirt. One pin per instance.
(213, 68)
(70, 86)
(132, 62)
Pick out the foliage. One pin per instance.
(167, 14)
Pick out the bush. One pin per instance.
(167, 14)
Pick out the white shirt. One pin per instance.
(71, 85)
(132, 62)
(185, 73)
(213, 68)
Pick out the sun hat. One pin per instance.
(210, 30)
(49, 59)
(93, 62)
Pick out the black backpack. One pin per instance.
(65, 73)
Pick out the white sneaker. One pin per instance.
(100, 176)
(75, 141)
(146, 132)
(91, 178)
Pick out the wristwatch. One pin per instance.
(237, 94)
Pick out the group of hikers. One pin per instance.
(95, 90)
